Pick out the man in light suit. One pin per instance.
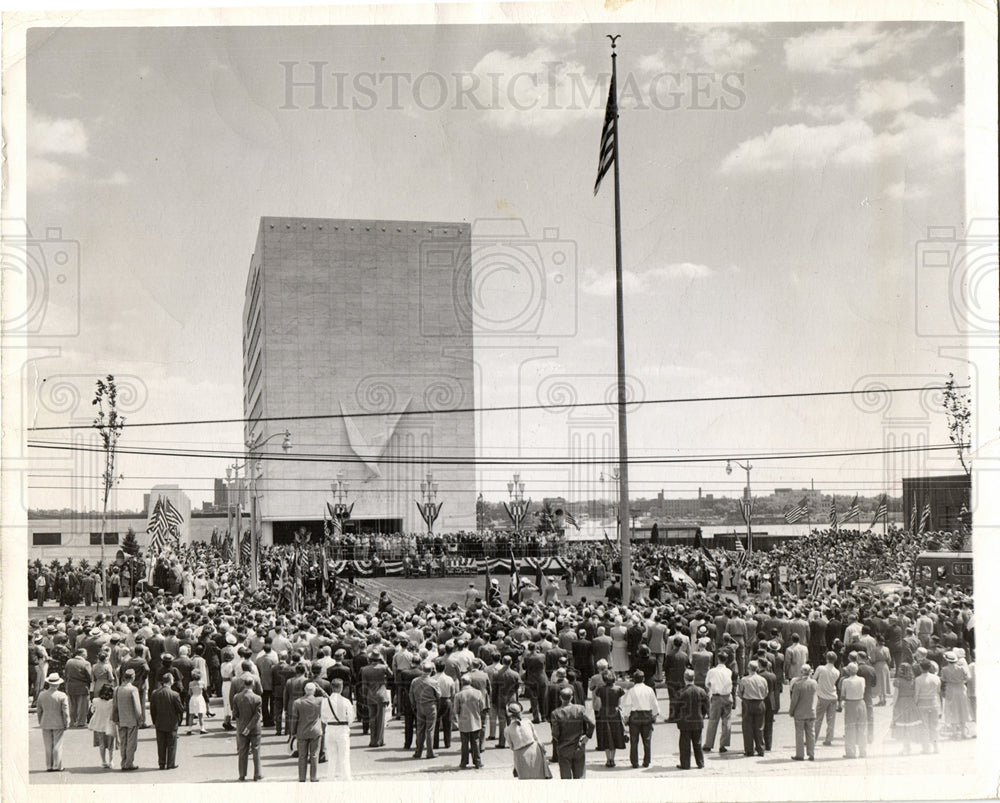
(127, 712)
(802, 708)
(468, 718)
(53, 719)
(306, 726)
(247, 708)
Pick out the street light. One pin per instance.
(429, 510)
(340, 509)
(517, 507)
(746, 505)
(254, 445)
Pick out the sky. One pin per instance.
(780, 187)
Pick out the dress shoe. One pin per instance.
(798, 758)
(418, 755)
(723, 750)
(258, 777)
(706, 749)
(828, 744)
(682, 767)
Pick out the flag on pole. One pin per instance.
(798, 512)
(606, 156)
(925, 518)
(611, 546)
(853, 512)
(881, 511)
(157, 527)
(740, 549)
(834, 523)
(570, 519)
(746, 509)
(245, 548)
(913, 517)
(515, 578)
(171, 513)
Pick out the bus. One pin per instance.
(943, 568)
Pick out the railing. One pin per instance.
(431, 551)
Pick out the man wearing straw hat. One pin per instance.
(53, 719)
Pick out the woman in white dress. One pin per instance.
(619, 646)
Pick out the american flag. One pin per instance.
(746, 508)
(245, 548)
(171, 513)
(882, 511)
(740, 550)
(913, 518)
(854, 511)
(157, 527)
(834, 523)
(515, 578)
(925, 518)
(797, 513)
(607, 155)
(570, 519)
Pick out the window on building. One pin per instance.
(109, 538)
(46, 539)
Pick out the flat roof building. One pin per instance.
(358, 341)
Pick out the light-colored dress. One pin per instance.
(619, 648)
(104, 729)
(956, 698)
(530, 761)
(196, 700)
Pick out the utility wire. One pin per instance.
(512, 408)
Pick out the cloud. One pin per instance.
(55, 137)
(706, 48)
(916, 141)
(850, 47)
(878, 97)
(537, 92)
(119, 178)
(635, 283)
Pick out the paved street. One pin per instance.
(211, 757)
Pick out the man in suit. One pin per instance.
(140, 671)
(374, 689)
(447, 689)
(692, 708)
(247, 709)
(53, 718)
(166, 711)
(424, 696)
(293, 690)
(582, 650)
(406, 678)
(468, 718)
(572, 725)
(802, 708)
(79, 679)
(127, 712)
(505, 686)
(535, 683)
(306, 726)
(281, 673)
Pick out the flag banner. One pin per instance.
(746, 509)
(245, 548)
(913, 518)
(740, 549)
(881, 511)
(607, 152)
(611, 546)
(834, 522)
(157, 527)
(571, 519)
(925, 518)
(681, 577)
(853, 512)
(515, 579)
(798, 512)
(171, 513)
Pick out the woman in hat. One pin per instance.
(610, 726)
(954, 676)
(907, 724)
(529, 756)
(104, 673)
(102, 725)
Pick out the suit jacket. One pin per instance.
(237, 685)
(424, 695)
(53, 710)
(307, 718)
(126, 701)
(373, 680)
(583, 656)
(79, 676)
(467, 711)
(570, 723)
(166, 709)
(294, 689)
(247, 706)
(601, 646)
(802, 704)
(692, 708)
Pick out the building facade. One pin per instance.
(358, 340)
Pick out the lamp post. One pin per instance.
(340, 509)
(429, 509)
(613, 478)
(517, 507)
(255, 445)
(747, 503)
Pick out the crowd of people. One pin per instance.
(494, 669)
(491, 543)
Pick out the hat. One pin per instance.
(514, 708)
(96, 631)
(774, 646)
(950, 657)
(53, 679)
(230, 638)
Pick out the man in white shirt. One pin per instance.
(338, 714)
(719, 685)
(640, 709)
(826, 677)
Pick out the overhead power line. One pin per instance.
(505, 461)
(511, 408)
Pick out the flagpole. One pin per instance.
(623, 495)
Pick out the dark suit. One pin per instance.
(407, 676)
(374, 678)
(690, 713)
(166, 711)
(572, 725)
(247, 707)
(583, 658)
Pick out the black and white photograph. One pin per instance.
(424, 399)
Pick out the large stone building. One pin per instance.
(357, 339)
